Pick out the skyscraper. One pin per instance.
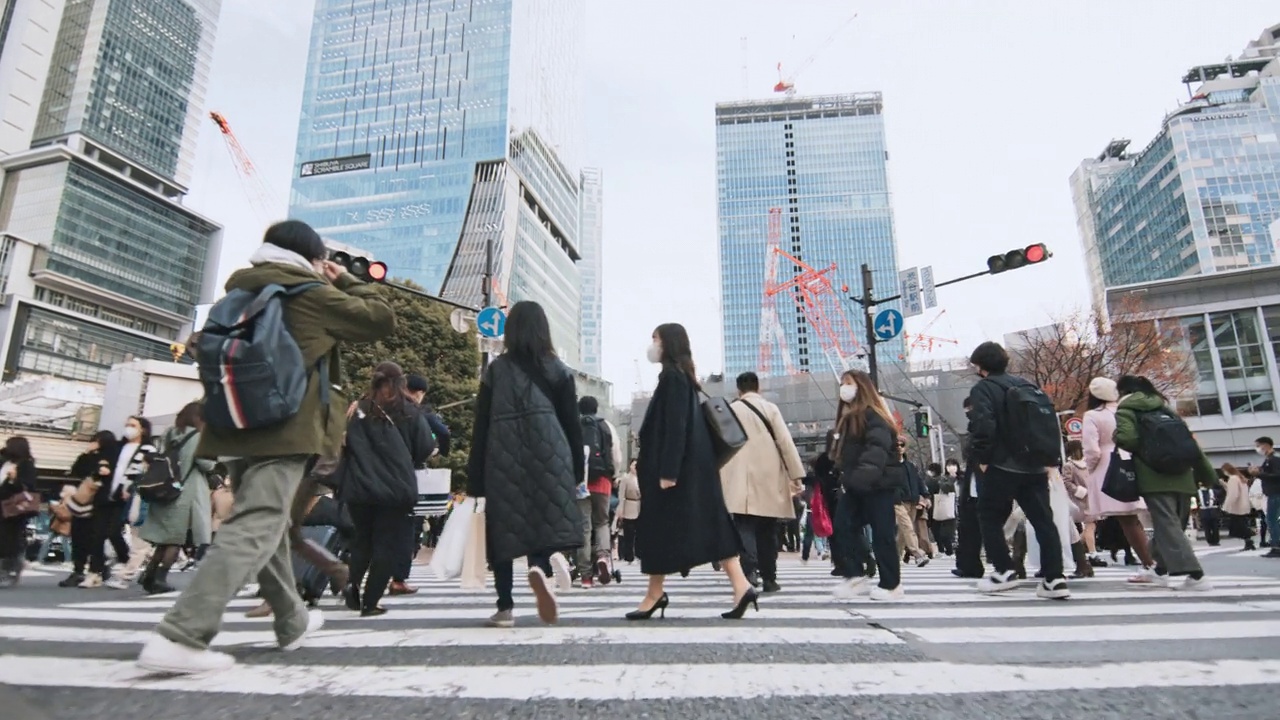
(1204, 194)
(803, 178)
(99, 261)
(444, 137)
(591, 229)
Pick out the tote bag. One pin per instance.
(446, 562)
(1121, 481)
(475, 560)
(821, 516)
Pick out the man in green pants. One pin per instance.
(269, 463)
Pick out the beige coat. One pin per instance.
(628, 497)
(763, 476)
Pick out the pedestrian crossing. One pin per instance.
(801, 644)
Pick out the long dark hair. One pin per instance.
(527, 335)
(1130, 384)
(145, 424)
(17, 449)
(106, 442)
(676, 352)
(387, 388)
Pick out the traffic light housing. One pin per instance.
(1014, 259)
(363, 268)
(922, 424)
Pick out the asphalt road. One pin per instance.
(943, 652)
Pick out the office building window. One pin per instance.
(1204, 399)
(1243, 360)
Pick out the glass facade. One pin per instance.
(823, 164)
(591, 231)
(69, 347)
(130, 74)
(1234, 353)
(1201, 198)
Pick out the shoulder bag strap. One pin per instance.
(767, 425)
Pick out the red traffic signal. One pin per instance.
(1015, 259)
(363, 268)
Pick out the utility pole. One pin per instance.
(486, 292)
(867, 304)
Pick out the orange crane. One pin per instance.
(770, 330)
(817, 299)
(921, 341)
(788, 84)
(265, 203)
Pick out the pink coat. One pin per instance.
(1099, 427)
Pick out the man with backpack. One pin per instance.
(268, 358)
(604, 456)
(1013, 437)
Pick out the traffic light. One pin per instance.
(1014, 259)
(922, 424)
(363, 268)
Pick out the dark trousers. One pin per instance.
(969, 540)
(108, 527)
(503, 577)
(412, 544)
(82, 535)
(1210, 522)
(376, 544)
(759, 537)
(791, 536)
(627, 540)
(13, 545)
(857, 511)
(999, 490)
(944, 531)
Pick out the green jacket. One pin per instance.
(319, 319)
(1150, 481)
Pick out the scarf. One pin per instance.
(268, 253)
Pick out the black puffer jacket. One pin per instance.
(870, 463)
(381, 454)
(527, 458)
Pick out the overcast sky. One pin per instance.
(989, 107)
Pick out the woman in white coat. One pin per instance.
(1099, 427)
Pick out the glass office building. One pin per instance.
(102, 261)
(1204, 195)
(443, 137)
(591, 230)
(821, 164)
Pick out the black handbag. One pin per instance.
(1121, 481)
(727, 434)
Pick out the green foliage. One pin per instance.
(425, 343)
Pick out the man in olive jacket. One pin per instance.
(269, 463)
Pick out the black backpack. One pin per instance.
(250, 365)
(162, 482)
(599, 443)
(1030, 426)
(1165, 443)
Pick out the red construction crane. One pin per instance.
(264, 202)
(788, 84)
(819, 302)
(770, 330)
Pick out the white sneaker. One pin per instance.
(92, 580)
(560, 568)
(501, 619)
(315, 621)
(162, 655)
(880, 594)
(1147, 579)
(1053, 589)
(998, 582)
(1193, 585)
(850, 588)
(118, 583)
(548, 608)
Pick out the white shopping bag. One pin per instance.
(446, 562)
(475, 563)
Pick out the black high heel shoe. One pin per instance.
(660, 607)
(749, 598)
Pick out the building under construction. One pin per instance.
(804, 200)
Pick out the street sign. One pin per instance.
(458, 320)
(888, 324)
(1075, 428)
(909, 286)
(491, 322)
(926, 287)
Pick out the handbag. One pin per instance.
(475, 561)
(820, 516)
(446, 561)
(727, 434)
(1121, 480)
(24, 504)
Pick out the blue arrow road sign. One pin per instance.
(492, 322)
(888, 324)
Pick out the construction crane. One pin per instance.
(922, 341)
(788, 84)
(265, 203)
(817, 299)
(770, 330)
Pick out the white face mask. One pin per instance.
(1261, 451)
(654, 353)
(131, 433)
(848, 392)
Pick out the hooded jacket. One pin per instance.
(345, 311)
(1128, 438)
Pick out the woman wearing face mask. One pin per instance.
(684, 522)
(871, 475)
(110, 522)
(944, 508)
(17, 475)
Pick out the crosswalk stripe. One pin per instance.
(1130, 631)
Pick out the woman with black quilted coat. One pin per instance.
(683, 522)
(526, 461)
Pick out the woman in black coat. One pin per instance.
(683, 522)
(387, 440)
(871, 476)
(96, 463)
(526, 460)
(17, 475)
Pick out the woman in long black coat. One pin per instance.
(526, 461)
(683, 521)
(17, 475)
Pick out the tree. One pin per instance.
(426, 344)
(1063, 357)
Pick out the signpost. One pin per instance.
(909, 287)
(491, 322)
(926, 287)
(888, 324)
(1075, 428)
